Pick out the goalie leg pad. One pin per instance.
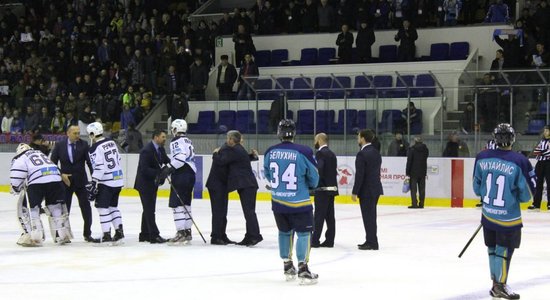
(23, 214)
(57, 220)
(37, 230)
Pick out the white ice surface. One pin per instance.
(417, 259)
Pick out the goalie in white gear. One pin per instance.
(182, 170)
(33, 171)
(106, 183)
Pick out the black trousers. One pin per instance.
(85, 207)
(542, 170)
(324, 211)
(225, 92)
(248, 203)
(418, 185)
(368, 212)
(149, 229)
(219, 202)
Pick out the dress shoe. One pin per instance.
(90, 239)
(228, 241)
(315, 245)
(413, 207)
(158, 240)
(326, 244)
(218, 241)
(144, 238)
(367, 246)
(250, 241)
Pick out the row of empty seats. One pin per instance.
(422, 85)
(349, 120)
(387, 53)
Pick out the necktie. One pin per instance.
(73, 151)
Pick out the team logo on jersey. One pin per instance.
(345, 175)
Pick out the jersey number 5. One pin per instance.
(288, 176)
(500, 183)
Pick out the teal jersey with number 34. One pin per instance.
(503, 179)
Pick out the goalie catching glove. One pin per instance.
(92, 190)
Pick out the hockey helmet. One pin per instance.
(504, 135)
(22, 148)
(286, 129)
(179, 126)
(95, 129)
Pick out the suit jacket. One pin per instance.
(240, 173)
(326, 166)
(148, 167)
(60, 154)
(230, 75)
(217, 178)
(417, 160)
(367, 173)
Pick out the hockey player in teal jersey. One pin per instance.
(291, 170)
(503, 179)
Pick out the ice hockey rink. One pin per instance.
(417, 259)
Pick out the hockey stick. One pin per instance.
(181, 201)
(470, 241)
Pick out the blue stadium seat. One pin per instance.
(337, 93)
(325, 55)
(401, 89)
(535, 126)
(439, 51)
(278, 56)
(324, 120)
(361, 87)
(322, 86)
(265, 84)
(301, 89)
(366, 119)
(391, 120)
(387, 53)
(227, 118)
(245, 121)
(459, 50)
(383, 84)
(308, 56)
(304, 123)
(206, 123)
(425, 86)
(350, 117)
(263, 121)
(262, 58)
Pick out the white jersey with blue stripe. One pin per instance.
(105, 159)
(34, 167)
(182, 152)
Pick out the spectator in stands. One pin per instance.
(498, 13)
(31, 120)
(309, 17)
(540, 58)
(198, 80)
(488, 103)
(134, 140)
(344, 41)
(398, 146)
(56, 125)
(128, 98)
(467, 122)
(326, 16)
(126, 117)
(344, 11)
(227, 75)
(456, 147)
(226, 24)
(513, 50)
(70, 120)
(243, 44)
(44, 121)
(276, 113)
(6, 121)
(380, 10)
(497, 65)
(292, 18)
(17, 125)
(266, 19)
(249, 68)
(364, 41)
(171, 80)
(452, 10)
(180, 106)
(135, 66)
(411, 114)
(407, 36)
(39, 143)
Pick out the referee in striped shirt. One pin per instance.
(542, 169)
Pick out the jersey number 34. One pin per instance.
(288, 176)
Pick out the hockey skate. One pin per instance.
(290, 270)
(182, 237)
(119, 236)
(62, 239)
(26, 241)
(305, 276)
(500, 290)
(106, 239)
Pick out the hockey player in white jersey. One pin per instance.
(182, 170)
(106, 183)
(34, 174)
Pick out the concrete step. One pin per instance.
(451, 124)
(455, 115)
(164, 117)
(160, 125)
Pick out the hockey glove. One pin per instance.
(15, 190)
(92, 190)
(164, 173)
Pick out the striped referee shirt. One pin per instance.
(542, 151)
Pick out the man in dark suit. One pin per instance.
(217, 188)
(344, 41)
(72, 155)
(367, 186)
(242, 179)
(416, 170)
(227, 75)
(324, 200)
(151, 157)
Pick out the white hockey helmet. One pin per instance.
(94, 129)
(22, 148)
(178, 125)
